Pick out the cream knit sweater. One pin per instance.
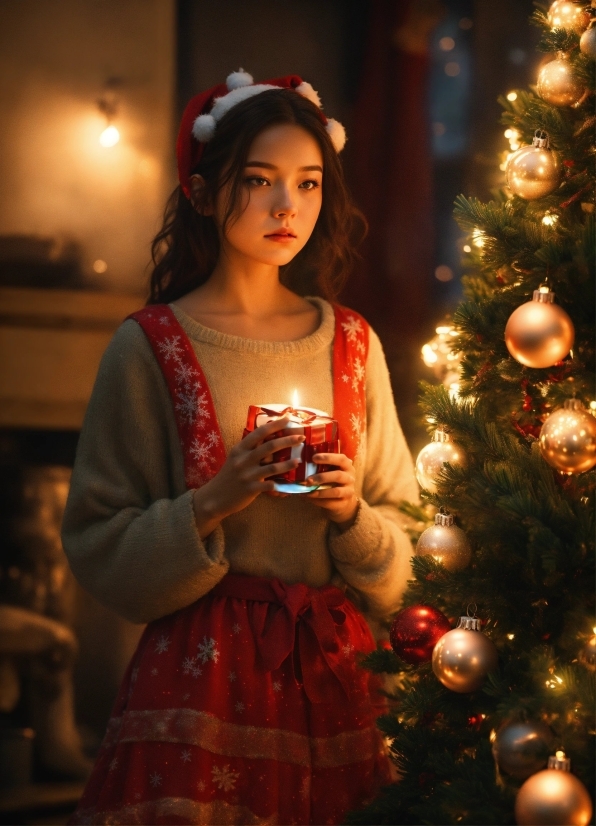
(129, 529)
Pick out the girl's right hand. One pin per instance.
(243, 476)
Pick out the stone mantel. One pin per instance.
(51, 343)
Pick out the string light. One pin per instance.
(512, 96)
(478, 237)
(550, 219)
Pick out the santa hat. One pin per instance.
(203, 112)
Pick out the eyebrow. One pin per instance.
(265, 165)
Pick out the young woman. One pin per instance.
(244, 702)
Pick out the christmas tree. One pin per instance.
(485, 717)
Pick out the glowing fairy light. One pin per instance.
(109, 137)
(478, 237)
(550, 219)
(512, 96)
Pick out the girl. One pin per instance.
(244, 702)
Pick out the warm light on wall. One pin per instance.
(108, 104)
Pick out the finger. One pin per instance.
(336, 477)
(278, 494)
(275, 469)
(330, 493)
(260, 433)
(337, 459)
(270, 447)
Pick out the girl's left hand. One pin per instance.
(340, 501)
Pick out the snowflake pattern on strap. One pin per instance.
(196, 419)
(349, 369)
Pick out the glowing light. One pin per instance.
(452, 69)
(109, 137)
(467, 248)
(510, 636)
(560, 755)
(543, 288)
(493, 736)
(446, 44)
(478, 237)
(428, 355)
(512, 96)
(295, 400)
(99, 266)
(550, 218)
(444, 273)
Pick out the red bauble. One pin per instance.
(415, 632)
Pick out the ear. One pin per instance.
(198, 193)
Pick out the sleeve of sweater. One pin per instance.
(373, 555)
(129, 530)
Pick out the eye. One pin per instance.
(310, 184)
(256, 180)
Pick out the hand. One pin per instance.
(243, 475)
(340, 501)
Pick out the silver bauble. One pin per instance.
(563, 14)
(446, 543)
(533, 171)
(431, 459)
(568, 438)
(587, 42)
(557, 84)
(539, 333)
(553, 797)
(463, 657)
(521, 749)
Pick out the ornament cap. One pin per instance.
(445, 519)
(559, 762)
(540, 139)
(573, 404)
(543, 295)
(441, 435)
(469, 623)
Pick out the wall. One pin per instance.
(57, 181)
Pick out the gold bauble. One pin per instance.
(431, 459)
(566, 15)
(521, 749)
(568, 438)
(553, 797)
(446, 543)
(463, 657)
(539, 333)
(557, 84)
(533, 171)
(587, 42)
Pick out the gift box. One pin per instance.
(319, 430)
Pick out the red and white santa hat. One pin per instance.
(203, 112)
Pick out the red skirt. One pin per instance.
(246, 707)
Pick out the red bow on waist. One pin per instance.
(300, 618)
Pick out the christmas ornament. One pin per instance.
(521, 749)
(568, 438)
(539, 333)
(566, 15)
(588, 654)
(463, 657)
(553, 796)
(446, 543)
(415, 632)
(557, 84)
(431, 459)
(587, 42)
(533, 171)
(438, 354)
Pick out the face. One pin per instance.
(281, 198)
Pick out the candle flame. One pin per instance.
(295, 400)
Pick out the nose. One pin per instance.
(283, 205)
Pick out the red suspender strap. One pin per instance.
(196, 419)
(350, 351)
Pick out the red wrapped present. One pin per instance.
(319, 429)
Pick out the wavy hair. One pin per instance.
(185, 251)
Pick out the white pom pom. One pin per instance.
(337, 133)
(238, 79)
(306, 90)
(203, 128)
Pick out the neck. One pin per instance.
(250, 288)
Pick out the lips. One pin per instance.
(281, 235)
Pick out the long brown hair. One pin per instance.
(186, 249)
